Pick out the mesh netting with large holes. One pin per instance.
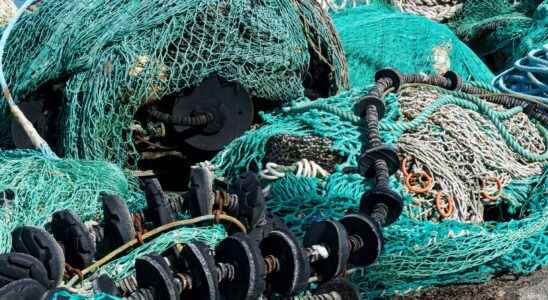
(424, 247)
(109, 57)
(374, 37)
(501, 31)
(32, 188)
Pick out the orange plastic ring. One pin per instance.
(419, 176)
(404, 167)
(486, 195)
(448, 211)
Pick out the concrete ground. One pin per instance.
(505, 287)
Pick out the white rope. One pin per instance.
(302, 168)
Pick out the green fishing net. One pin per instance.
(419, 251)
(107, 58)
(32, 188)
(496, 29)
(375, 37)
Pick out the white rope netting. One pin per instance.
(464, 156)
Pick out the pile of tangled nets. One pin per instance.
(472, 156)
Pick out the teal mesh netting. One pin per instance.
(375, 37)
(32, 188)
(418, 253)
(500, 31)
(112, 56)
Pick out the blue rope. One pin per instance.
(528, 76)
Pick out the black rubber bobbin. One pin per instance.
(338, 288)
(455, 79)
(251, 204)
(333, 237)
(43, 246)
(117, 223)
(23, 289)
(394, 75)
(196, 267)
(105, 284)
(360, 109)
(15, 266)
(287, 267)
(367, 238)
(154, 279)
(243, 256)
(75, 239)
(158, 211)
(383, 204)
(201, 196)
(230, 105)
(366, 162)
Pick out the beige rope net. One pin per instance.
(458, 160)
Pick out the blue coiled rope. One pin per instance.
(528, 76)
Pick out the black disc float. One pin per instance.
(43, 246)
(69, 230)
(334, 237)
(153, 273)
(15, 266)
(201, 192)
(118, 224)
(194, 259)
(230, 106)
(294, 271)
(240, 251)
(367, 229)
(23, 289)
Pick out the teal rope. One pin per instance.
(468, 102)
(309, 105)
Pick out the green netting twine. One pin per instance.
(116, 55)
(376, 37)
(66, 295)
(498, 27)
(32, 188)
(417, 254)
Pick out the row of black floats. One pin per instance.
(266, 261)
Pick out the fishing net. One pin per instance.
(496, 29)
(103, 59)
(32, 188)
(456, 139)
(375, 36)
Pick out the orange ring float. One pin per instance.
(422, 177)
(486, 195)
(444, 212)
(404, 167)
